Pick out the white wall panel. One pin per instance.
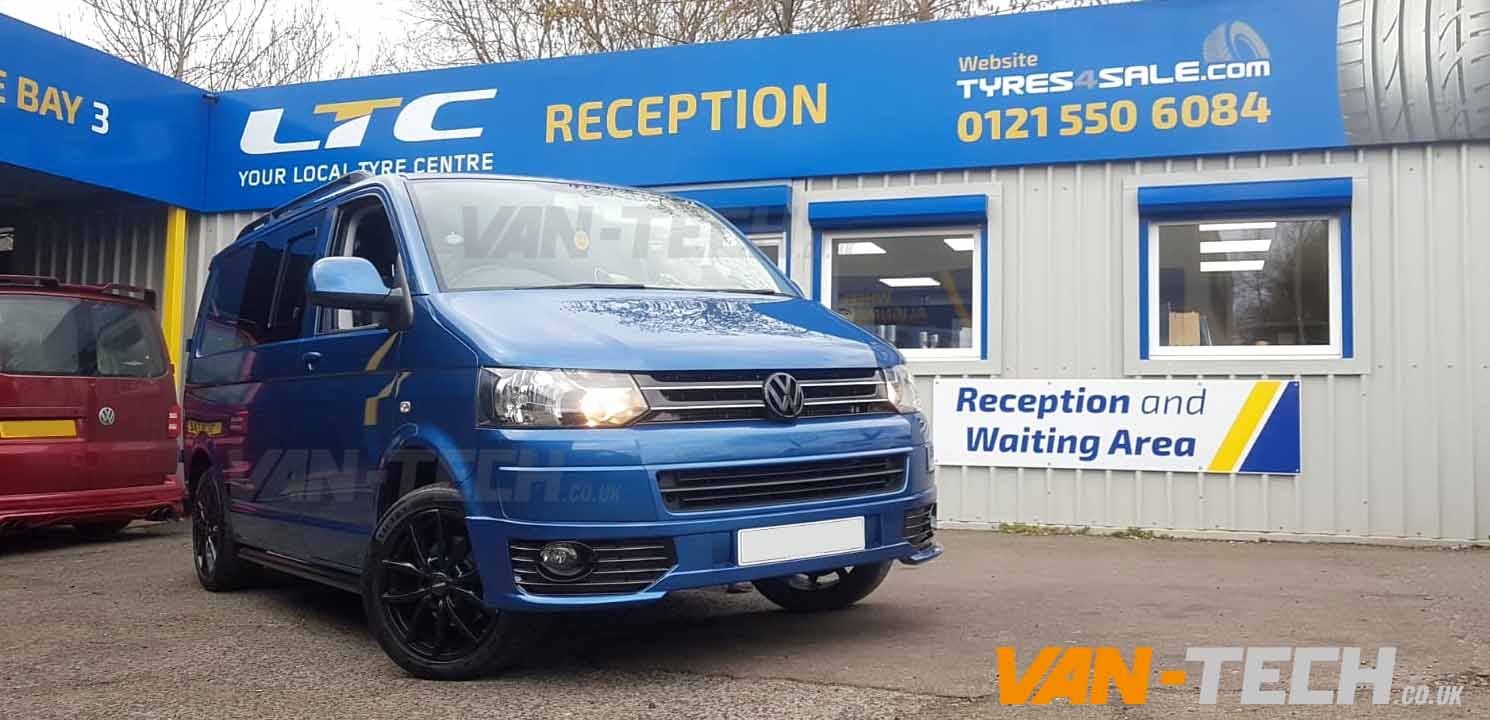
(1400, 451)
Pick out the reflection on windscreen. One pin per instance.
(515, 234)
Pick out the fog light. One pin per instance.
(565, 560)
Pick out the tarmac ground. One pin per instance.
(120, 629)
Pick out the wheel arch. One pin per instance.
(197, 466)
(412, 462)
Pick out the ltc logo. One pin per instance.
(415, 123)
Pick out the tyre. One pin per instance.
(214, 551)
(101, 530)
(423, 594)
(827, 590)
(1414, 70)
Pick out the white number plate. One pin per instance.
(758, 546)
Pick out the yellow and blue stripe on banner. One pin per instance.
(1264, 437)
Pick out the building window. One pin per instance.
(1255, 286)
(918, 289)
(7, 249)
(773, 245)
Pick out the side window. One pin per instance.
(257, 294)
(363, 230)
(289, 307)
(222, 331)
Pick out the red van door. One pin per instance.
(133, 420)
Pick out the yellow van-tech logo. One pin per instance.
(415, 123)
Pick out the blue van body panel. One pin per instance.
(657, 330)
(609, 475)
(303, 444)
(705, 548)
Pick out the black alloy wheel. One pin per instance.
(207, 530)
(424, 597)
(214, 552)
(431, 595)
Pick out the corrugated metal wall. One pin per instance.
(1402, 451)
(89, 243)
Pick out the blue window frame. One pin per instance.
(1250, 270)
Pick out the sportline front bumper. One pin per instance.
(160, 501)
(705, 549)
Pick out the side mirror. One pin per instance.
(350, 283)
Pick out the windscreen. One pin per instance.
(488, 234)
(45, 335)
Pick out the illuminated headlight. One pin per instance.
(901, 389)
(526, 398)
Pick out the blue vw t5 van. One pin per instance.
(474, 400)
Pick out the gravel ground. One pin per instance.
(120, 629)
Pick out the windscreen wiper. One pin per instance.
(776, 293)
(640, 286)
(586, 285)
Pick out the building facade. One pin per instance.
(1233, 194)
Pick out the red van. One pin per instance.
(88, 414)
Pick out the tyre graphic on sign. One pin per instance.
(1414, 70)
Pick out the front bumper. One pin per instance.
(705, 549)
(159, 501)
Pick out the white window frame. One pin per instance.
(771, 239)
(1332, 351)
(830, 238)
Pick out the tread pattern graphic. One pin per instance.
(1414, 70)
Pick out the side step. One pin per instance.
(290, 566)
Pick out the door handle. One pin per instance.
(310, 359)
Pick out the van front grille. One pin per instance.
(712, 396)
(621, 567)
(780, 483)
(918, 529)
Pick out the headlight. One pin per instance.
(901, 389)
(526, 398)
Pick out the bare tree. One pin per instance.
(225, 44)
(460, 32)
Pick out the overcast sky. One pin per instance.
(365, 20)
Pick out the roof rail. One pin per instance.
(351, 178)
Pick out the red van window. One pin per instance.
(65, 336)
